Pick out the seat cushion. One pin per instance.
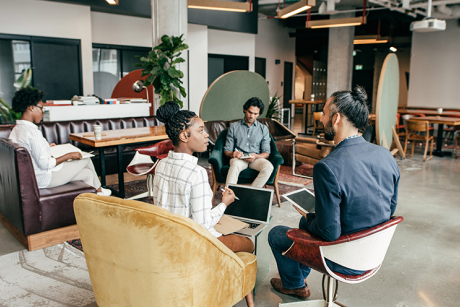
(141, 169)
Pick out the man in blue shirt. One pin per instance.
(248, 145)
(356, 187)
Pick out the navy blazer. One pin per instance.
(356, 187)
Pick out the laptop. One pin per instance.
(302, 199)
(254, 208)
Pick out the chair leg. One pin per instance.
(405, 147)
(426, 149)
(275, 185)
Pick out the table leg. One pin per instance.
(102, 165)
(121, 179)
(438, 152)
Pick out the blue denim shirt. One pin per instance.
(248, 139)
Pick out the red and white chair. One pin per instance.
(363, 250)
(142, 163)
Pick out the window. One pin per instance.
(111, 63)
(56, 64)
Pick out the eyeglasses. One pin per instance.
(41, 107)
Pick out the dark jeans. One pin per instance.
(293, 273)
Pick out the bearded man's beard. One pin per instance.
(329, 132)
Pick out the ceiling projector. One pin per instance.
(429, 24)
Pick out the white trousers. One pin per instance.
(264, 167)
(75, 170)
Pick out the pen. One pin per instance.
(235, 196)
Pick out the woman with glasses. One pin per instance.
(50, 172)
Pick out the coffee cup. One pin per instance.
(440, 110)
(97, 132)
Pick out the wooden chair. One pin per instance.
(456, 139)
(414, 127)
(317, 118)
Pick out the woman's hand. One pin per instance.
(52, 144)
(228, 196)
(74, 155)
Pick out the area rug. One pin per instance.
(53, 276)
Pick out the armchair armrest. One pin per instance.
(158, 149)
(305, 238)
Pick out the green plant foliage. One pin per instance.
(7, 115)
(273, 110)
(160, 67)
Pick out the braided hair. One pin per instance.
(175, 120)
(353, 105)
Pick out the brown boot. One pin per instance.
(302, 293)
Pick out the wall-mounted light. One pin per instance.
(112, 2)
(296, 8)
(335, 23)
(369, 39)
(393, 49)
(217, 5)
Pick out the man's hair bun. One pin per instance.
(359, 93)
(167, 111)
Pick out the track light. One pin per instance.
(112, 2)
(296, 8)
(217, 5)
(335, 23)
(393, 49)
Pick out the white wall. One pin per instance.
(435, 68)
(51, 19)
(121, 30)
(197, 40)
(232, 43)
(273, 43)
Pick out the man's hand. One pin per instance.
(52, 144)
(300, 211)
(252, 159)
(237, 154)
(228, 196)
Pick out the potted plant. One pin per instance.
(7, 115)
(160, 67)
(273, 110)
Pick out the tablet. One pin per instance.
(302, 199)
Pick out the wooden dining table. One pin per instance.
(441, 121)
(118, 138)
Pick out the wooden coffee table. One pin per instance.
(454, 121)
(118, 138)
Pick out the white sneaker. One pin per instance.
(104, 192)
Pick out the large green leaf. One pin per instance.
(177, 61)
(173, 72)
(182, 91)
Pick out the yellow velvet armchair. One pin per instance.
(142, 255)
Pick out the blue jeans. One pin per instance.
(293, 273)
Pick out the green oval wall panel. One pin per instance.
(226, 96)
(387, 101)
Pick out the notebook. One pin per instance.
(302, 199)
(254, 208)
(60, 150)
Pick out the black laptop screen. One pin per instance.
(254, 204)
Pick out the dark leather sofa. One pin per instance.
(43, 217)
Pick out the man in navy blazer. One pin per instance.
(356, 187)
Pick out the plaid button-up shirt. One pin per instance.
(182, 187)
